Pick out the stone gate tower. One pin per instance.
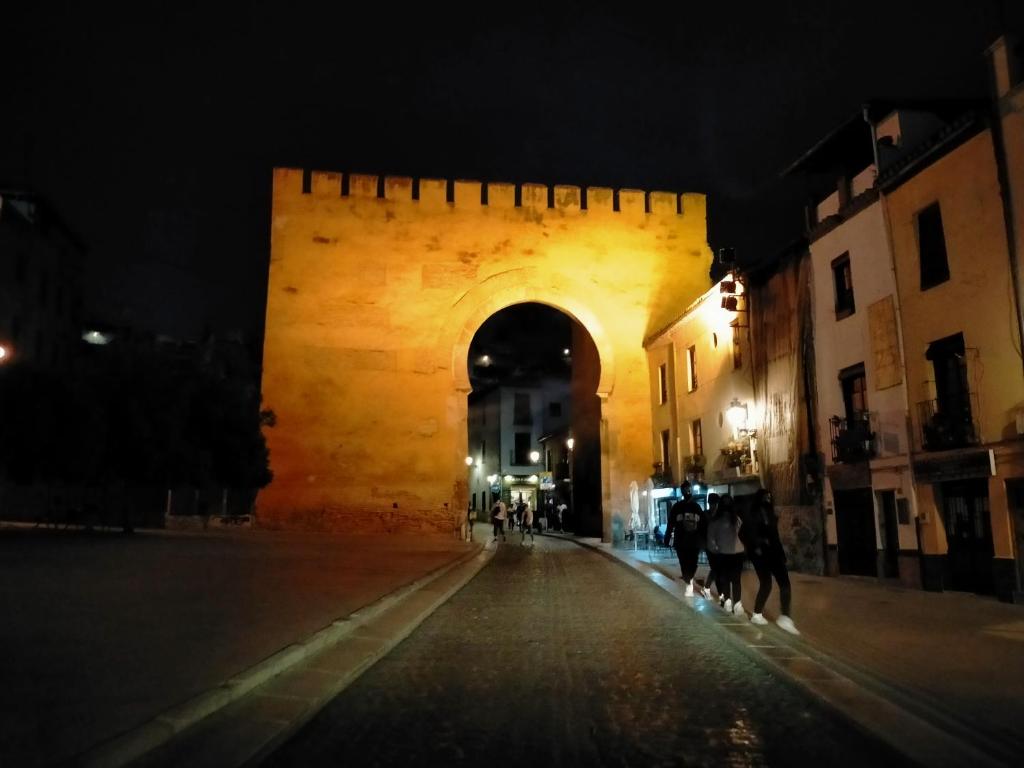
(377, 286)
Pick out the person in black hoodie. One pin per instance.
(686, 522)
(764, 548)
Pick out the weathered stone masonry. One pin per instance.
(375, 295)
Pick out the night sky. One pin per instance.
(154, 132)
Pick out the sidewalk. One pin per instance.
(953, 659)
(102, 632)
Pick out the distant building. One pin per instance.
(40, 283)
(506, 427)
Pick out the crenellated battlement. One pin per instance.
(466, 193)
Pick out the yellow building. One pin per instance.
(698, 372)
(963, 354)
(376, 289)
(1008, 88)
(729, 401)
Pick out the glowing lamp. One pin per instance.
(570, 443)
(469, 461)
(737, 414)
(534, 457)
(4, 353)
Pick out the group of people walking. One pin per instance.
(730, 538)
(521, 518)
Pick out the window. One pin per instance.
(662, 384)
(691, 368)
(666, 438)
(483, 450)
(522, 450)
(474, 501)
(697, 438)
(521, 409)
(855, 391)
(931, 242)
(554, 410)
(737, 350)
(843, 280)
(949, 363)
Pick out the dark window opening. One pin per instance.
(521, 409)
(855, 391)
(666, 438)
(691, 366)
(931, 242)
(697, 437)
(842, 278)
(522, 449)
(737, 350)
(662, 384)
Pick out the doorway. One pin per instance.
(888, 526)
(965, 511)
(533, 415)
(1015, 497)
(855, 529)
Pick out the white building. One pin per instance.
(862, 399)
(506, 424)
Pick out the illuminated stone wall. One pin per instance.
(376, 289)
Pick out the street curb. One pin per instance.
(384, 647)
(907, 732)
(173, 722)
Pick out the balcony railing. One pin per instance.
(852, 438)
(944, 426)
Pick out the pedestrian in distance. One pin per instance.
(498, 515)
(527, 524)
(764, 547)
(685, 525)
(724, 539)
(560, 515)
(713, 499)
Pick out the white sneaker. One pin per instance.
(705, 593)
(785, 623)
(738, 609)
(758, 618)
(689, 589)
(728, 605)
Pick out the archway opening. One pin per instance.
(533, 418)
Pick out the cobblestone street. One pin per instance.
(553, 655)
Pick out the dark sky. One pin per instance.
(154, 131)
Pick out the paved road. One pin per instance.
(555, 656)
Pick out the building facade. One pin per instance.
(376, 289)
(963, 360)
(861, 393)
(507, 430)
(40, 284)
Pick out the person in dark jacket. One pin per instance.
(686, 525)
(764, 547)
(711, 578)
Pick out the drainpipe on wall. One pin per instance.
(898, 309)
(1002, 172)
